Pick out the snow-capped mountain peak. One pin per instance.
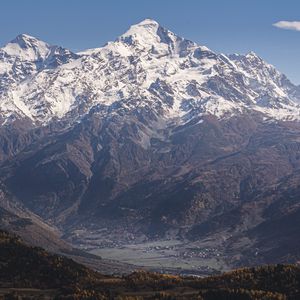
(149, 67)
(143, 30)
(146, 24)
(26, 41)
(27, 48)
(151, 36)
(20, 60)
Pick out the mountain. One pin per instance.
(20, 59)
(148, 66)
(153, 137)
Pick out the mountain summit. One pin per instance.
(149, 35)
(145, 65)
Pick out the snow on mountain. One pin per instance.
(148, 66)
(20, 60)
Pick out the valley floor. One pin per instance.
(173, 256)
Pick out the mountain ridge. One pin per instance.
(152, 137)
(176, 58)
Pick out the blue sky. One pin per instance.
(223, 25)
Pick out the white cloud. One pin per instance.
(290, 25)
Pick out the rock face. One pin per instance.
(156, 136)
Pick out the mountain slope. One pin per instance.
(155, 137)
(20, 60)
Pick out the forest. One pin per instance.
(28, 272)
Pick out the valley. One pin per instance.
(152, 150)
(35, 273)
(168, 256)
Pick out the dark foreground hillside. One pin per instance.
(32, 273)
